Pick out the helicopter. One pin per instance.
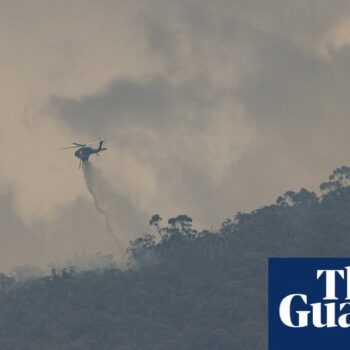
(84, 151)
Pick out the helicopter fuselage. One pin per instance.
(84, 153)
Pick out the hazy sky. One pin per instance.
(209, 108)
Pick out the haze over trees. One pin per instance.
(183, 290)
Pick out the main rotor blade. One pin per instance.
(93, 143)
(68, 147)
(82, 145)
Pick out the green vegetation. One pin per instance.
(190, 291)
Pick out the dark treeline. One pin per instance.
(190, 291)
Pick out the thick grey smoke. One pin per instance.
(100, 193)
(237, 101)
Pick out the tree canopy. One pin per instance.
(186, 290)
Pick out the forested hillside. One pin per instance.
(190, 291)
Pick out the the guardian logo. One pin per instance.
(331, 309)
(309, 303)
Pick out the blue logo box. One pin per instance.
(309, 303)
